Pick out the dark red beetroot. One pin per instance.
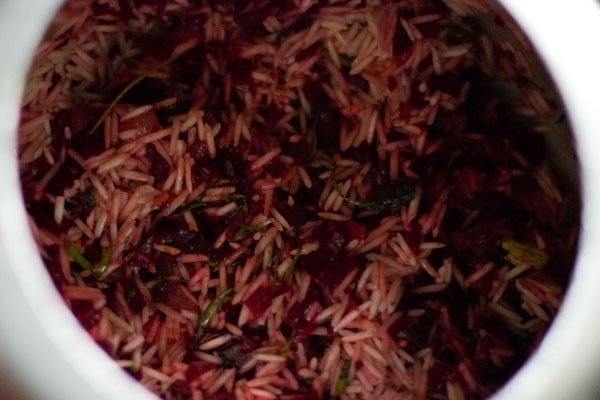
(179, 297)
(81, 204)
(145, 123)
(402, 45)
(297, 314)
(64, 178)
(307, 395)
(329, 265)
(42, 213)
(241, 72)
(159, 167)
(85, 312)
(263, 297)
(440, 373)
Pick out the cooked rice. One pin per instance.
(345, 168)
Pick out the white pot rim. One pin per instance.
(567, 362)
(61, 361)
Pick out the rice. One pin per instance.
(310, 200)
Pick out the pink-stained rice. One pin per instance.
(344, 167)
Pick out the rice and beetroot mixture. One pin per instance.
(295, 199)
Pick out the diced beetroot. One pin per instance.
(359, 82)
(262, 298)
(241, 71)
(484, 284)
(308, 395)
(223, 395)
(196, 368)
(402, 43)
(174, 231)
(331, 240)
(469, 183)
(42, 212)
(490, 342)
(454, 339)
(179, 297)
(354, 231)
(78, 119)
(151, 329)
(139, 257)
(250, 16)
(146, 123)
(64, 178)
(54, 267)
(80, 205)
(313, 91)
(85, 312)
(527, 194)
(265, 136)
(199, 151)
(451, 83)
(277, 168)
(395, 328)
(440, 373)
(428, 7)
(404, 57)
(478, 239)
(159, 167)
(413, 236)
(133, 297)
(331, 275)
(296, 315)
(430, 30)
(327, 264)
(392, 84)
(308, 52)
(316, 345)
(296, 215)
(207, 172)
(405, 111)
(180, 390)
(108, 8)
(187, 67)
(237, 157)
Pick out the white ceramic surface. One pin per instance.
(45, 355)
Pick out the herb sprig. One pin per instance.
(97, 269)
(402, 194)
(211, 310)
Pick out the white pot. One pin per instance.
(44, 354)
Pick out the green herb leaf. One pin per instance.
(306, 383)
(97, 269)
(237, 198)
(247, 230)
(76, 255)
(211, 310)
(321, 155)
(289, 272)
(342, 382)
(346, 61)
(403, 192)
(100, 268)
(128, 88)
(523, 254)
(89, 196)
